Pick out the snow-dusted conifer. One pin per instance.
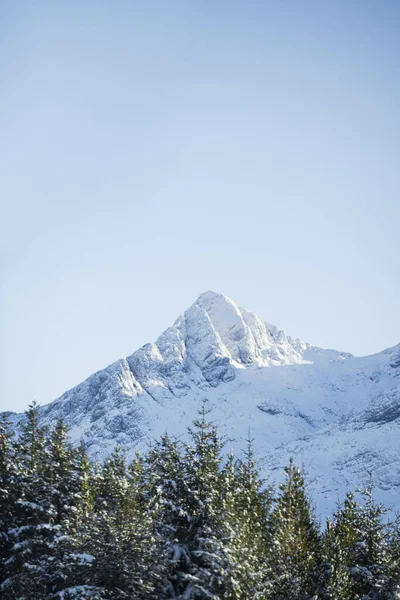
(167, 490)
(357, 550)
(69, 567)
(120, 534)
(340, 542)
(371, 553)
(45, 560)
(33, 535)
(8, 493)
(204, 578)
(253, 506)
(393, 562)
(293, 548)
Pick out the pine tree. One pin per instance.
(120, 534)
(204, 579)
(340, 549)
(34, 532)
(253, 507)
(393, 563)
(357, 548)
(69, 567)
(167, 493)
(294, 544)
(44, 558)
(8, 493)
(372, 557)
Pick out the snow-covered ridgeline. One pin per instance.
(335, 412)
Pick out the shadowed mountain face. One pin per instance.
(337, 413)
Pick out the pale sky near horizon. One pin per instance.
(150, 151)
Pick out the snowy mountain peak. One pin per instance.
(231, 331)
(330, 409)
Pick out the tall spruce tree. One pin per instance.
(167, 490)
(393, 548)
(44, 559)
(9, 471)
(204, 576)
(34, 531)
(372, 556)
(340, 549)
(120, 534)
(68, 567)
(294, 544)
(254, 509)
(357, 549)
(246, 506)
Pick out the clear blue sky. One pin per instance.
(153, 150)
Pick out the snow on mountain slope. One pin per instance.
(338, 413)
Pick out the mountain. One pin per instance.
(336, 413)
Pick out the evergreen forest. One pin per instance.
(183, 520)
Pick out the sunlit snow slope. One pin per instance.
(337, 413)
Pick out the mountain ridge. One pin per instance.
(297, 398)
